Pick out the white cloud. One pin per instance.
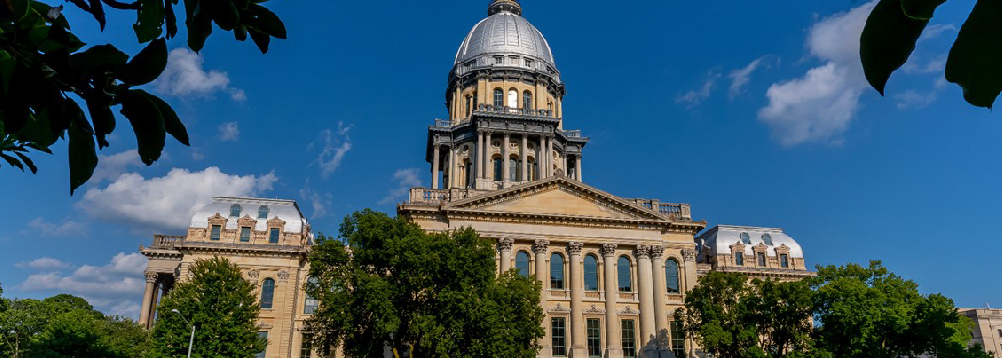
(335, 144)
(740, 77)
(110, 167)
(114, 288)
(819, 106)
(229, 132)
(185, 77)
(66, 228)
(406, 179)
(912, 99)
(43, 263)
(319, 201)
(936, 64)
(167, 202)
(197, 154)
(694, 97)
(935, 30)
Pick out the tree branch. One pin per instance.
(121, 5)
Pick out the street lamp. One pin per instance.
(191, 342)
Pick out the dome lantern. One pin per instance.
(511, 6)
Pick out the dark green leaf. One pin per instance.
(199, 29)
(97, 9)
(266, 21)
(224, 13)
(149, 20)
(57, 38)
(38, 130)
(100, 56)
(147, 123)
(7, 64)
(15, 8)
(240, 33)
(82, 155)
(974, 60)
(171, 19)
(27, 161)
(13, 162)
(887, 40)
(99, 107)
(261, 39)
(920, 9)
(147, 65)
(172, 124)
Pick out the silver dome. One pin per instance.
(504, 33)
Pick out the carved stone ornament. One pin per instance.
(783, 249)
(254, 274)
(689, 254)
(505, 243)
(609, 249)
(628, 311)
(574, 248)
(559, 309)
(151, 277)
(540, 246)
(594, 310)
(657, 251)
(643, 251)
(283, 275)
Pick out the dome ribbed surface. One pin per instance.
(504, 33)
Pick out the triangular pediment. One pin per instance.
(556, 196)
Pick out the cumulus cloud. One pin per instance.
(405, 179)
(935, 30)
(48, 229)
(912, 99)
(185, 77)
(740, 77)
(229, 132)
(696, 96)
(114, 288)
(819, 106)
(43, 263)
(333, 147)
(111, 166)
(167, 202)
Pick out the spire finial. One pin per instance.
(511, 6)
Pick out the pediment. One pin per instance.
(556, 196)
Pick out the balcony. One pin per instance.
(167, 241)
(492, 109)
(675, 211)
(440, 196)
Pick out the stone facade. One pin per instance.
(987, 328)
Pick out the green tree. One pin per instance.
(894, 26)
(731, 316)
(223, 307)
(389, 283)
(44, 68)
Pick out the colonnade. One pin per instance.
(543, 155)
(157, 285)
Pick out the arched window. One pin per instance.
(527, 100)
(522, 263)
(745, 239)
(533, 170)
(468, 170)
(767, 239)
(625, 279)
(310, 305)
(671, 275)
(498, 97)
(498, 167)
(262, 212)
(267, 293)
(557, 272)
(512, 98)
(235, 210)
(590, 273)
(513, 169)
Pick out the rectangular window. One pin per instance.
(215, 233)
(677, 339)
(594, 338)
(263, 334)
(784, 261)
(528, 63)
(558, 336)
(497, 169)
(739, 258)
(245, 234)
(498, 59)
(629, 339)
(306, 346)
(273, 236)
(761, 259)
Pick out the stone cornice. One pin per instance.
(244, 249)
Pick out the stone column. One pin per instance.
(549, 156)
(646, 283)
(144, 312)
(577, 167)
(525, 158)
(614, 341)
(155, 301)
(579, 346)
(542, 274)
(660, 290)
(542, 159)
(480, 150)
(434, 167)
(689, 255)
(504, 245)
(505, 167)
(452, 167)
(487, 152)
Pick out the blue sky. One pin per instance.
(753, 112)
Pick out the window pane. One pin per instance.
(273, 236)
(235, 210)
(262, 212)
(625, 281)
(594, 338)
(497, 169)
(263, 334)
(590, 273)
(629, 340)
(558, 333)
(522, 263)
(745, 239)
(498, 97)
(306, 347)
(526, 100)
(784, 261)
(512, 98)
(245, 233)
(557, 272)
(310, 306)
(767, 239)
(761, 259)
(267, 293)
(677, 339)
(513, 169)
(215, 232)
(671, 275)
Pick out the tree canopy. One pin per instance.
(223, 307)
(389, 283)
(45, 69)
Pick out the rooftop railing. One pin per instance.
(490, 108)
(680, 211)
(439, 196)
(572, 133)
(167, 241)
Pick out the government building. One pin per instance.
(613, 269)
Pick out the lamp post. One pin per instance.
(191, 342)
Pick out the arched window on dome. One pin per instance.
(498, 97)
(522, 263)
(512, 98)
(468, 172)
(671, 275)
(767, 239)
(262, 212)
(745, 239)
(590, 273)
(513, 169)
(267, 293)
(557, 272)
(533, 169)
(527, 100)
(498, 167)
(235, 210)
(625, 277)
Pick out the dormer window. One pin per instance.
(214, 235)
(739, 258)
(498, 60)
(745, 239)
(761, 259)
(273, 236)
(235, 210)
(767, 239)
(784, 261)
(245, 234)
(262, 212)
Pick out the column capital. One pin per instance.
(657, 251)
(643, 251)
(608, 250)
(574, 248)
(151, 277)
(505, 243)
(689, 254)
(540, 246)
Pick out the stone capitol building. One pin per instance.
(613, 269)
